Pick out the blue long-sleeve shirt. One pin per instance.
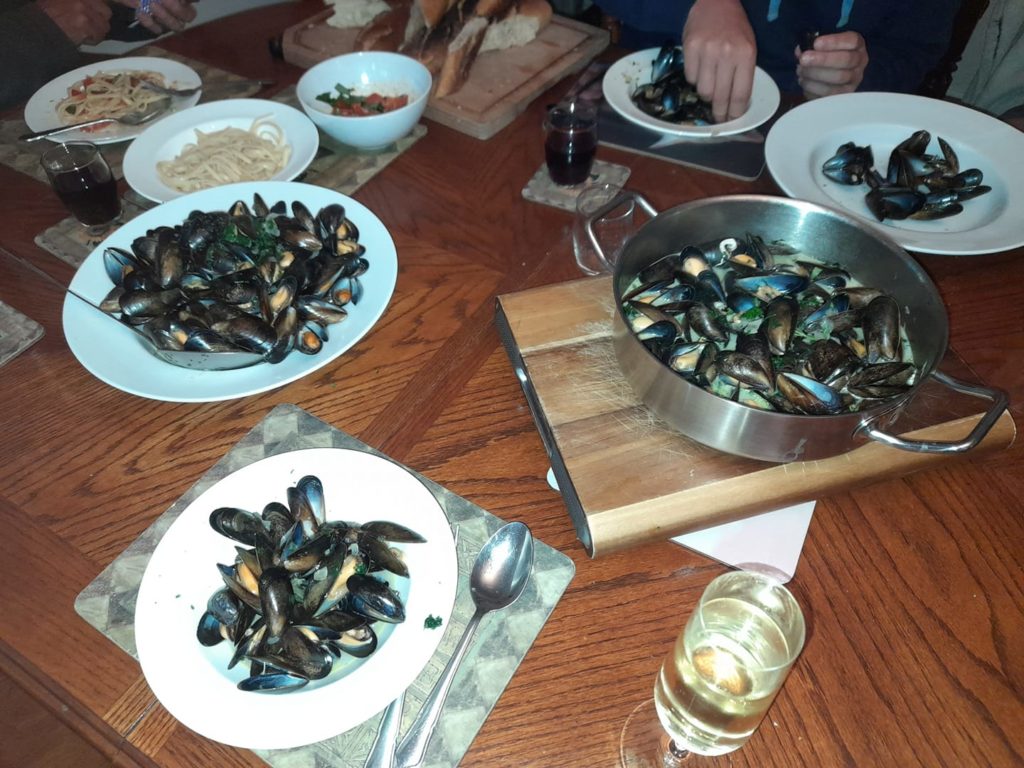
(905, 38)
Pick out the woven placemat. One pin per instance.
(336, 166)
(17, 333)
(541, 189)
(502, 641)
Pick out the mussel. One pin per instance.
(249, 278)
(303, 590)
(791, 334)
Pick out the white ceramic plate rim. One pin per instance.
(803, 138)
(165, 140)
(116, 356)
(41, 114)
(626, 74)
(192, 681)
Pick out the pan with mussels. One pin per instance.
(775, 329)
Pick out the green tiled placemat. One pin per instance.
(502, 641)
(17, 333)
(336, 166)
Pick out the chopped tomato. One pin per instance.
(348, 104)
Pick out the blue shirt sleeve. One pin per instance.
(905, 41)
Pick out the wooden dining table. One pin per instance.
(912, 587)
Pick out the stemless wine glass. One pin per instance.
(83, 181)
(722, 674)
(570, 142)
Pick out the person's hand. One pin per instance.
(160, 16)
(719, 53)
(82, 21)
(835, 65)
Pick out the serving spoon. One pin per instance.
(499, 576)
(137, 117)
(196, 361)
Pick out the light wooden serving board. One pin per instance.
(628, 478)
(501, 83)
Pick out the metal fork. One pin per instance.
(176, 92)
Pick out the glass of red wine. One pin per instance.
(570, 142)
(83, 181)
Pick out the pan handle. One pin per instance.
(624, 196)
(999, 402)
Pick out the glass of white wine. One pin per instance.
(722, 674)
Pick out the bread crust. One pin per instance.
(493, 9)
(537, 9)
(461, 54)
(434, 10)
(387, 31)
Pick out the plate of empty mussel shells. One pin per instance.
(230, 291)
(296, 598)
(935, 176)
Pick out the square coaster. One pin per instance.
(17, 333)
(69, 241)
(541, 189)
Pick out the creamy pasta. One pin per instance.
(227, 156)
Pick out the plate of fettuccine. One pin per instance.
(223, 142)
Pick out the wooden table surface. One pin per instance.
(913, 589)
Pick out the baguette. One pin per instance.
(518, 27)
(493, 9)
(434, 10)
(355, 13)
(461, 54)
(387, 30)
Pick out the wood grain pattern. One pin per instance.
(912, 587)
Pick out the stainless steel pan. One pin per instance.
(826, 235)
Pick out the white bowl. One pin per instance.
(389, 74)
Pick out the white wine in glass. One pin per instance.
(722, 674)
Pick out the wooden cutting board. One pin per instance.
(501, 83)
(627, 477)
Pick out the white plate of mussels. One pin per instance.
(630, 72)
(193, 681)
(119, 357)
(803, 139)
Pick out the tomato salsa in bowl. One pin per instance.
(346, 102)
(367, 99)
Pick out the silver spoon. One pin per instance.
(197, 361)
(138, 117)
(499, 575)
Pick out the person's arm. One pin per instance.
(40, 40)
(719, 53)
(894, 55)
(160, 16)
(836, 64)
